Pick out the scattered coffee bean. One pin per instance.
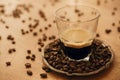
(30, 25)
(50, 38)
(14, 50)
(28, 57)
(23, 21)
(28, 65)
(98, 2)
(42, 44)
(113, 13)
(39, 49)
(36, 24)
(9, 37)
(42, 14)
(54, 21)
(9, 51)
(29, 51)
(113, 24)
(43, 75)
(31, 30)
(49, 25)
(68, 19)
(30, 18)
(7, 27)
(46, 28)
(115, 8)
(118, 29)
(0, 37)
(13, 42)
(35, 34)
(8, 63)
(32, 59)
(29, 72)
(108, 31)
(77, 11)
(33, 55)
(119, 21)
(27, 32)
(40, 30)
(80, 14)
(53, 37)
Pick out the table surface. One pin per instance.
(29, 14)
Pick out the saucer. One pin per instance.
(100, 59)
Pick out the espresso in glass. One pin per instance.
(76, 43)
(77, 25)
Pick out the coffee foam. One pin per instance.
(76, 38)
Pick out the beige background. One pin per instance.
(17, 70)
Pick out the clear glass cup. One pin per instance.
(77, 25)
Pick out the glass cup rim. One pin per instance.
(97, 16)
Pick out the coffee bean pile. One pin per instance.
(56, 58)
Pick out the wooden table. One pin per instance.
(28, 40)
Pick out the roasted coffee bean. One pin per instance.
(29, 72)
(35, 34)
(54, 21)
(0, 37)
(49, 25)
(30, 25)
(113, 24)
(31, 30)
(97, 35)
(28, 57)
(108, 31)
(10, 51)
(28, 65)
(43, 75)
(6, 27)
(8, 63)
(98, 2)
(42, 14)
(50, 38)
(113, 13)
(32, 59)
(46, 28)
(115, 8)
(26, 32)
(23, 21)
(118, 29)
(13, 42)
(40, 30)
(33, 55)
(30, 18)
(77, 11)
(39, 49)
(14, 50)
(42, 44)
(29, 51)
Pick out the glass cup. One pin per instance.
(77, 25)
